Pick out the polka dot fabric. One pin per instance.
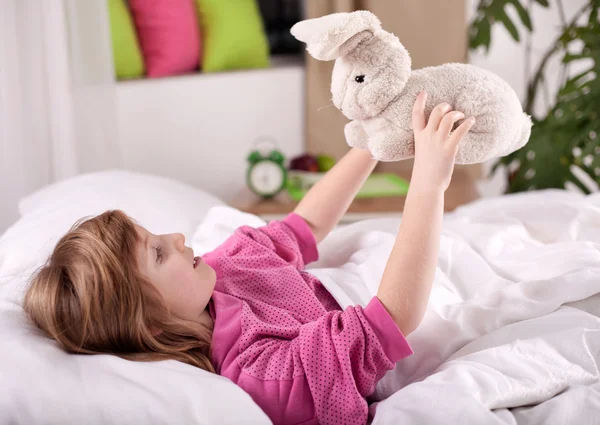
(281, 336)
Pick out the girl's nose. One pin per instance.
(179, 242)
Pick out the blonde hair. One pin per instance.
(91, 298)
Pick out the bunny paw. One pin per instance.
(356, 136)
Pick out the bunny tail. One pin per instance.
(525, 133)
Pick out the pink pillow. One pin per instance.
(169, 35)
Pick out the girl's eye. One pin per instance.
(359, 78)
(158, 254)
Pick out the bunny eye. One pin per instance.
(359, 78)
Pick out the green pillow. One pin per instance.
(126, 49)
(233, 36)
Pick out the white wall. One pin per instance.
(201, 128)
(507, 59)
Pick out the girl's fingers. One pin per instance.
(418, 114)
(436, 116)
(448, 122)
(461, 131)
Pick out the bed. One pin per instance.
(511, 334)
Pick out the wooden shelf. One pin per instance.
(462, 191)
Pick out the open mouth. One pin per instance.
(197, 260)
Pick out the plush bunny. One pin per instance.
(372, 84)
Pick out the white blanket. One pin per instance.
(513, 318)
(512, 331)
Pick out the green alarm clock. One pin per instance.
(266, 175)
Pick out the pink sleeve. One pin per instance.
(394, 344)
(307, 243)
(339, 358)
(291, 239)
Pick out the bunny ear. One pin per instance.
(327, 37)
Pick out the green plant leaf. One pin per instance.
(486, 35)
(481, 35)
(572, 83)
(570, 58)
(503, 17)
(587, 73)
(523, 14)
(542, 3)
(589, 36)
(490, 12)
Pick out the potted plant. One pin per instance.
(564, 147)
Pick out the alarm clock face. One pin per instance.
(266, 178)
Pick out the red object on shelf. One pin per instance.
(304, 162)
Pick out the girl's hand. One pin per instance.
(435, 147)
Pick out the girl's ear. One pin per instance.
(155, 331)
(331, 36)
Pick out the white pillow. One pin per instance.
(160, 204)
(44, 385)
(157, 202)
(219, 223)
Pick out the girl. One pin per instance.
(248, 310)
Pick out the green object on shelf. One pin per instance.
(325, 162)
(233, 35)
(377, 185)
(128, 59)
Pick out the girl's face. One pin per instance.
(185, 282)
